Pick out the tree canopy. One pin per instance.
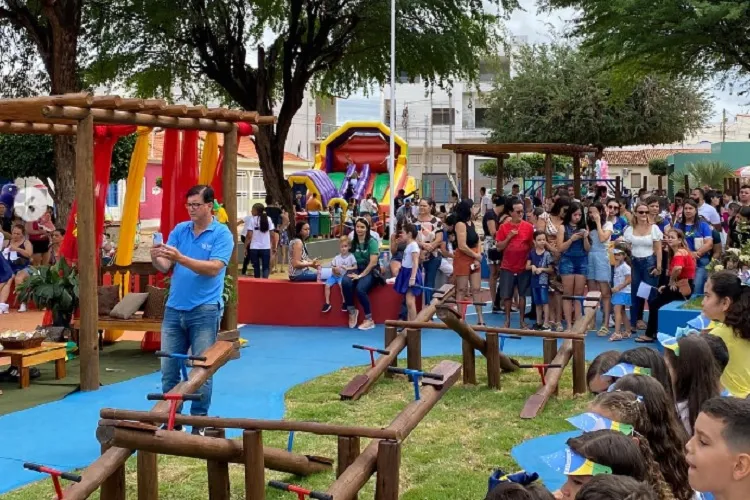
(556, 93)
(196, 49)
(687, 38)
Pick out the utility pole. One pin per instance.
(451, 118)
(430, 124)
(723, 125)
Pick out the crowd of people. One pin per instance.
(662, 427)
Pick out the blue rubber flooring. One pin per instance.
(61, 434)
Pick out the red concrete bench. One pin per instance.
(283, 303)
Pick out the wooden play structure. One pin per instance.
(75, 115)
(501, 152)
(401, 335)
(121, 432)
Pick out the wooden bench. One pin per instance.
(23, 359)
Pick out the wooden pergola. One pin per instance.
(503, 151)
(76, 115)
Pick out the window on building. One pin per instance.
(487, 71)
(415, 159)
(257, 187)
(143, 191)
(442, 159)
(404, 77)
(112, 195)
(481, 118)
(443, 116)
(635, 180)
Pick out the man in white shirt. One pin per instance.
(485, 203)
(705, 210)
(366, 206)
(407, 212)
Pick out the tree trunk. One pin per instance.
(64, 22)
(271, 159)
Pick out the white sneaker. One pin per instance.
(4, 308)
(22, 309)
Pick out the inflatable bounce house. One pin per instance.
(366, 144)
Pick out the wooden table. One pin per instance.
(23, 359)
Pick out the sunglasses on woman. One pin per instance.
(614, 207)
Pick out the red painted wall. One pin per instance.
(151, 209)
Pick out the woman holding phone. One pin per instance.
(645, 240)
(573, 244)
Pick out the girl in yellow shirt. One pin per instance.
(727, 301)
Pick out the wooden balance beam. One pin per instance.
(163, 442)
(360, 384)
(108, 471)
(574, 349)
(383, 456)
(489, 347)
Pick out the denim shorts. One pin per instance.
(573, 264)
(540, 295)
(334, 280)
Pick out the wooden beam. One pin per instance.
(255, 470)
(432, 325)
(493, 360)
(87, 253)
(390, 336)
(229, 180)
(36, 128)
(388, 466)
(148, 476)
(96, 473)
(129, 118)
(265, 120)
(105, 102)
(183, 444)
(577, 176)
(414, 349)
(218, 472)
(177, 110)
(548, 175)
(462, 164)
(358, 473)
(197, 112)
(500, 179)
(250, 424)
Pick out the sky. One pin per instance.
(535, 27)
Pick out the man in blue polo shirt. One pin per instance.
(199, 250)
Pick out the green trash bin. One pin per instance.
(325, 224)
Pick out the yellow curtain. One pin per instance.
(209, 159)
(130, 209)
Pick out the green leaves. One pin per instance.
(558, 93)
(54, 287)
(694, 38)
(702, 173)
(657, 166)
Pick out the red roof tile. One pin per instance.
(627, 157)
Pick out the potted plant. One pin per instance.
(52, 287)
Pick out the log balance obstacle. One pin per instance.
(554, 361)
(108, 471)
(395, 342)
(136, 430)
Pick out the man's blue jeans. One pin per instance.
(194, 330)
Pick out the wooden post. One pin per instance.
(469, 362)
(229, 179)
(390, 336)
(218, 472)
(462, 162)
(88, 340)
(388, 466)
(493, 360)
(660, 183)
(113, 488)
(500, 180)
(414, 348)
(645, 182)
(255, 470)
(577, 175)
(618, 187)
(549, 351)
(687, 185)
(148, 476)
(579, 367)
(349, 450)
(548, 175)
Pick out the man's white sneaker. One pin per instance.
(22, 309)
(4, 308)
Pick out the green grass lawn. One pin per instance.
(449, 455)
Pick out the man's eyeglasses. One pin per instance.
(194, 206)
